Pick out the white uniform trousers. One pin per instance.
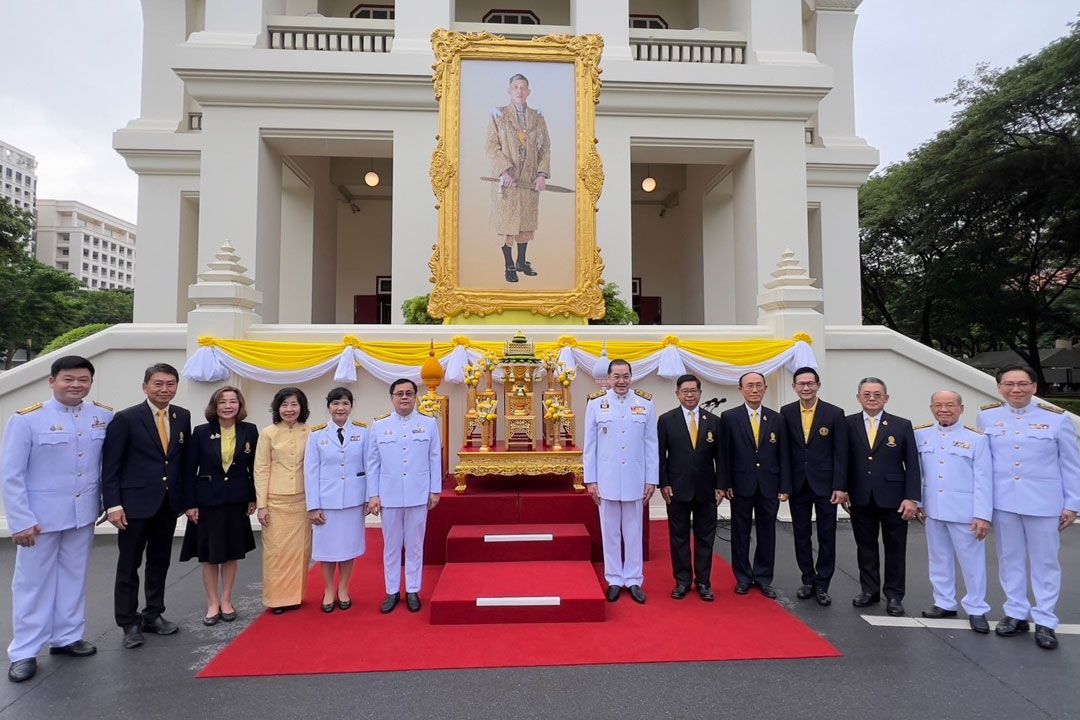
(403, 527)
(947, 542)
(620, 528)
(48, 591)
(1024, 540)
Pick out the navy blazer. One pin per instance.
(822, 461)
(206, 483)
(692, 472)
(747, 469)
(135, 471)
(889, 471)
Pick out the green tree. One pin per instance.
(617, 312)
(15, 228)
(37, 303)
(107, 306)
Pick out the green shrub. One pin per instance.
(415, 311)
(73, 335)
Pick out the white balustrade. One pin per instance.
(330, 34)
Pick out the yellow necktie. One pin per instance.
(807, 421)
(871, 434)
(693, 430)
(755, 423)
(163, 434)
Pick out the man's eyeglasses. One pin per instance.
(689, 391)
(408, 394)
(1017, 385)
(808, 384)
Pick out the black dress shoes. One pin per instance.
(1045, 638)
(344, 604)
(767, 591)
(637, 594)
(613, 592)
(79, 648)
(412, 601)
(822, 597)
(705, 591)
(865, 599)
(211, 620)
(22, 670)
(525, 268)
(742, 588)
(894, 607)
(133, 637)
(680, 591)
(1009, 626)
(159, 626)
(389, 603)
(228, 616)
(284, 609)
(328, 607)
(805, 592)
(978, 624)
(937, 613)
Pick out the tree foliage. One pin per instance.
(73, 335)
(617, 312)
(15, 228)
(973, 242)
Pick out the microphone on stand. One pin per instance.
(713, 403)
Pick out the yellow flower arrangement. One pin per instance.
(429, 404)
(485, 410)
(473, 373)
(566, 375)
(555, 410)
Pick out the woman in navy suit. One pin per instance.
(219, 495)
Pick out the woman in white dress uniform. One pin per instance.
(336, 488)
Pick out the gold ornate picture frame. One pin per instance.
(461, 197)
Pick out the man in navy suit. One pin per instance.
(755, 475)
(818, 447)
(141, 469)
(689, 442)
(886, 487)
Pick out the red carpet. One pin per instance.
(663, 630)
(473, 543)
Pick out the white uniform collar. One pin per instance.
(55, 404)
(950, 428)
(622, 398)
(1020, 411)
(404, 418)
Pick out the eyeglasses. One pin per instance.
(408, 394)
(944, 406)
(1017, 385)
(807, 384)
(689, 391)
(754, 386)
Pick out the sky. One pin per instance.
(73, 72)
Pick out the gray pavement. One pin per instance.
(884, 672)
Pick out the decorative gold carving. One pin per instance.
(447, 298)
(515, 463)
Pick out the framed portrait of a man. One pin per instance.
(517, 175)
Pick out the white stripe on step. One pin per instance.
(945, 624)
(526, 601)
(525, 537)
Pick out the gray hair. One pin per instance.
(959, 400)
(872, 381)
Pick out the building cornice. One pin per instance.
(841, 5)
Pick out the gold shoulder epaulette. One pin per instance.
(359, 423)
(990, 406)
(642, 393)
(384, 415)
(1052, 408)
(974, 429)
(30, 409)
(103, 406)
(318, 427)
(425, 413)
(598, 393)
(924, 426)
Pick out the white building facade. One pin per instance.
(95, 247)
(18, 177)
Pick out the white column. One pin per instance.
(240, 200)
(297, 230)
(415, 219)
(840, 271)
(718, 253)
(161, 270)
(614, 234)
(414, 21)
(239, 23)
(610, 18)
(835, 32)
(773, 30)
(164, 27)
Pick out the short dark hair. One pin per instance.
(339, 393)
(70, 362)
(211, 407)
(687, 378)
(402, 381)
(164, 368)
(751, 372)
(804, 371)
(1015, 368)
(518, 76)
(616, 363)
(284, 394)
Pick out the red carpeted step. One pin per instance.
(517, 543)
(517, 592)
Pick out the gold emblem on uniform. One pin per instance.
(962, 444)
(98, 423)
(639, 410)
(891, 442)
(823, 432)
(181, 435)
(884, 423)
(772, 437)
(708, 436)
(247, 448)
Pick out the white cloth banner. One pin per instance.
(210, 364)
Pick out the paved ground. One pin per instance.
(885, 672)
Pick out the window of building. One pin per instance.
(86, 267)
(61, 265)
(368, 11)
(18, 177)
(512, 17)
(86, 252)
(95, 256)
(64, 237)
(647, 22)
(7, 172)
(64, 252)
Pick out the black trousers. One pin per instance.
(759, 512)
(802, 504)
(152, 535)
(866, 521)
(700, 517)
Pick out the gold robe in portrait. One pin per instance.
(523, 153)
